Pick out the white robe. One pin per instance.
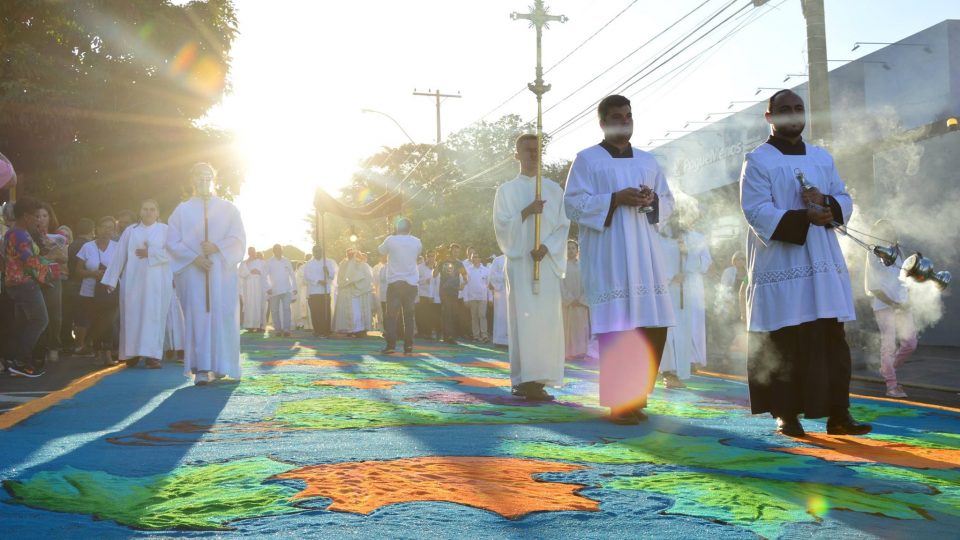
(301, 308)
(146, 286)
(212, 339)
(791, 284)
(253, 291)
(535, 321)
(498, 279)
(687, 341)
(621, 263)
(173, 340)
(576, 313)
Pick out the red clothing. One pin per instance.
(23, 261)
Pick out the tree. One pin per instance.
(99, 99)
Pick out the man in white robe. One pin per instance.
(576, 311)
(498, 284)
(173, 337)
(301, 309)
(204, 261)
(281, 290)
(798, 293)
(142, 266)
(688, 255)
(535, 321)
(352, 311)
(253, 291)
(618, 194)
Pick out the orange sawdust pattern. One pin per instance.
(366, 384)
(864, 450)
(479, 382)
(497, 364)
(308, 362)
(498, 484)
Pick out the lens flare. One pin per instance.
(817, 505)
(628, 370)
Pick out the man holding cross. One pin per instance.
(206, 241)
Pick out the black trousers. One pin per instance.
(104, 319)
(450, 307)
(400, 299)
(320, 314)
(803, 369)
(422, 311)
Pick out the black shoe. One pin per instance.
(19, 370)
(790, 426)
(408, 350)
(624, 419)
(388, 350)
(845, 425)
(641, 416)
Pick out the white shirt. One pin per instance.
(424, 287)
(885, 279)
(791, 284)
(477, 280)
(402, 250)
(280, 278)
(92, 258)
(313, 274)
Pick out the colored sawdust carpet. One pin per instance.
(329, 438)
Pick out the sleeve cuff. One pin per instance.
(792, 228)
(613, 206)
(835, 210)
(654, 217)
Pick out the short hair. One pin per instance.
(127, 213)
(105, 219)
(154, 201)
(202, 165)
(404, 225)
(777, 94)
(85, 226)
(454, 246)
(24, 206)
(609, 102)
(524, 137)
(318, 252)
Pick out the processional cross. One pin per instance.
(539, 18)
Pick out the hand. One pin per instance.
(813, 196)
(646, 196)
(631, 197)
(209, 248)
(110, 289)
(203, 263)
(536, 207)
(269, 292)
(819, 217)
(142, 253)
(678, 279)
(539, 253)
(322, 283)
(255, 272)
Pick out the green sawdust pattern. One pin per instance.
(870, 413)
(935, 440)
(761, 505)
(943, 498)
(348, 412)
(661, 449)
(191, 497)
(278, 383)
(662, 407)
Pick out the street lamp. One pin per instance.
(883, 64)
(762, 88)
(392, 119)
(732, 103)
(710, 115)
(787, 78)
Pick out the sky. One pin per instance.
(303, 71)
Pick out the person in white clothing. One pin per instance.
(401, 281)
(253, 291)
(498, 286)
(301, 309)
(423, 309)
(798, 292)
(318, 274)
(206, 241)
(98, 307)
(687, 256)
(475, 296)
(142, 266)
(576, 311)
(618, 195)
(281, 289)
(353, 311)
(891, 307)
(535, 318)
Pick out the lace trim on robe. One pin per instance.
(798, 272)
(638, 290)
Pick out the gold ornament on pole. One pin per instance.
(539, 18)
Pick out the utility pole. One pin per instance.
(436, 95)
(821, 125)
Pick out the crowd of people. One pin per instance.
(128, 290)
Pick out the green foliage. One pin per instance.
(448, 190)
(100, 99)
